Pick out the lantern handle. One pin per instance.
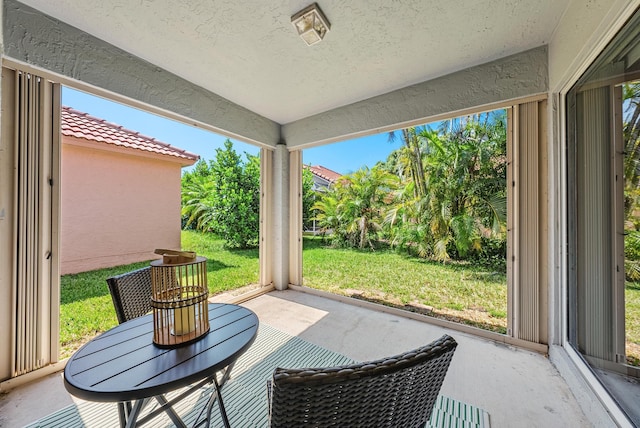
(175, 256)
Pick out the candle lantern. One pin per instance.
(179, 298)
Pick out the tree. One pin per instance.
(465, 198)
(223, 197)
(409, 159)
(197, 203)
(235, 197)
(467, 180)
(196, 198)
(308, 196)
(631, 137)
(354, 208)
(441, 195)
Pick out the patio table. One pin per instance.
(123, 364)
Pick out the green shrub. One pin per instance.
(632, 256)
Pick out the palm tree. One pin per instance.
(354, 208)
(367, 194)
(464, 181)
(410, 159)
(631, 138)
(327, 213)
(197, 203)
(467, 177)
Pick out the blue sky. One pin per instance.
(344, 157)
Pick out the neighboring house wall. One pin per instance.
(120, 194)
(116, 207)
(320, 183)
(323, 179)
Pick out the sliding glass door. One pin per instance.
(603, 153)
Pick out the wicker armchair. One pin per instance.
(399, 391)
(131, 296)
(131, 293)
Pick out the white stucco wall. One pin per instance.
(509, 78)
(585, 29)
(36, 39)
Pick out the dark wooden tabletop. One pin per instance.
(123, 364)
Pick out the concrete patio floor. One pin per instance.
(518, 388)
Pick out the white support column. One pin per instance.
(7, 153)
(281, 217)
(295, 217)
(512, 217)
(618, 232)
(266, 217)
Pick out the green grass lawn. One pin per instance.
(85, 306)
(456, 291)
(632, 322)
(460, 292)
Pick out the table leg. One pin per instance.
(122, 413)
(129, 416)
(132, 417)
(223, 412)
(226, 374)
(169, 410)
(216, 395)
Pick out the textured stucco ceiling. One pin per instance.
(247, 51)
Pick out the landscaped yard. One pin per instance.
(86, 307)
(632, 320)
(455, 291)
(461, 292)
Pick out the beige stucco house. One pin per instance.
(120, 194)
(240, 69)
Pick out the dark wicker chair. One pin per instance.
(131, 293)
(131, 296)
(399, 391)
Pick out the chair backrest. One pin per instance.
(131, 293)
(399, 391)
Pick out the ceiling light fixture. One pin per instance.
(311, 24)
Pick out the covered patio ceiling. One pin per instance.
(248, 52)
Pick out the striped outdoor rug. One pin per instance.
(245, 393)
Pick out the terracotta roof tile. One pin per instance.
(81, 125)
(322, 172)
